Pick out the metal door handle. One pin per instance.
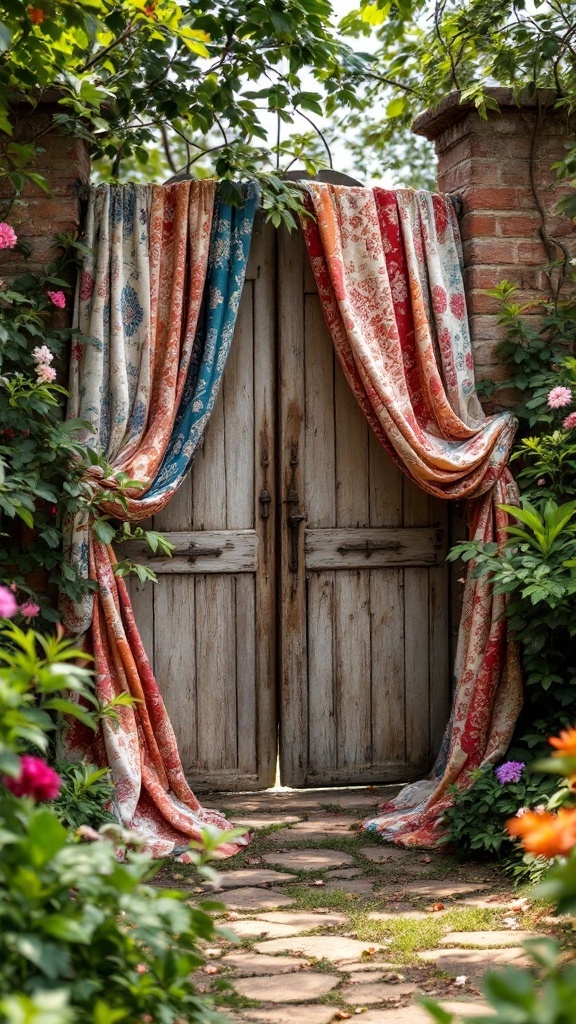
(294, 518)
(195, 551)
(368, 547)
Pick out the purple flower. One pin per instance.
(510, 771)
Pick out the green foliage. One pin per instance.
(476, 819)
(535, 351)
(85, 795)
(83, 938)
(135, 75)
(37, 679)
(427, 50)
(545, 993)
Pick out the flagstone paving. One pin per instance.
(322, 922)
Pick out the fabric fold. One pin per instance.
(388, 274)
(155, 312)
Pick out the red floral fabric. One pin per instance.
(389, 279)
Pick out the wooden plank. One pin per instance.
(293, 681)
(178, 513)
(239, 552)
(174, 618)
(387, 661)
(265, 481)
(415, 505)
(322, 735)
(255, 267)
(209, 473)
(238, 387)
(416, 512)
(373, 548)
(416, 653)
(319, 450)
(142, 599)
(352, 468)
(439, 655)
(216, 673)
(309, 279)
(353, 683)
(246, 680)
(221, 780)
(386, 486)
(368, 774)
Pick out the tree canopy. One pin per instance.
(168, 85)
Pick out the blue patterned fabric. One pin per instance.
(227, 259)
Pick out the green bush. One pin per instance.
(86, 795)
(84, 939)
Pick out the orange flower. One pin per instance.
(36, 15)
(545, 834)
(565, 743)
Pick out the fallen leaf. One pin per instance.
(342, 1015)
(319, 881)
(211, 969)
(436, 907)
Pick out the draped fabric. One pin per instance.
(155, 310)
(390, 283)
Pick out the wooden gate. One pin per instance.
(307, 598)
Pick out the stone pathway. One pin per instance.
(322, 922)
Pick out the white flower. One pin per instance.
(461, 979)
(42, 354)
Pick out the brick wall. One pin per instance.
(64, 162)
(495, 166)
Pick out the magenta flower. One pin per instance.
(559, 397)
(45, 374)
(36, 779)
(8, 236)
(510, 771)
(42, 354)
(8, 603)
(57, 299)
(29, 609)
(570, 421)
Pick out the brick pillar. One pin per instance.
(38, 217)
(501, 170)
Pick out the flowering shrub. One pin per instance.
(545, 994)
(83, 938)
(476, 820)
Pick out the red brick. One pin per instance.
(490, 251)
(495, 198)
(478, 225)
(519, 225)
(531, 253)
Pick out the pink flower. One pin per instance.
(541, 481)
(8, 236)
(14, 588)
(36, 779)
(570, 421)
(45, 374)
(57, 299)
(559, 397)
(42, 354)
(8, 603)
(29, 609)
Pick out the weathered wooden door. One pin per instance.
(364, 587)
(307, 597)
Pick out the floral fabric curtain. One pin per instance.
(390, 283)
(155, 309)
